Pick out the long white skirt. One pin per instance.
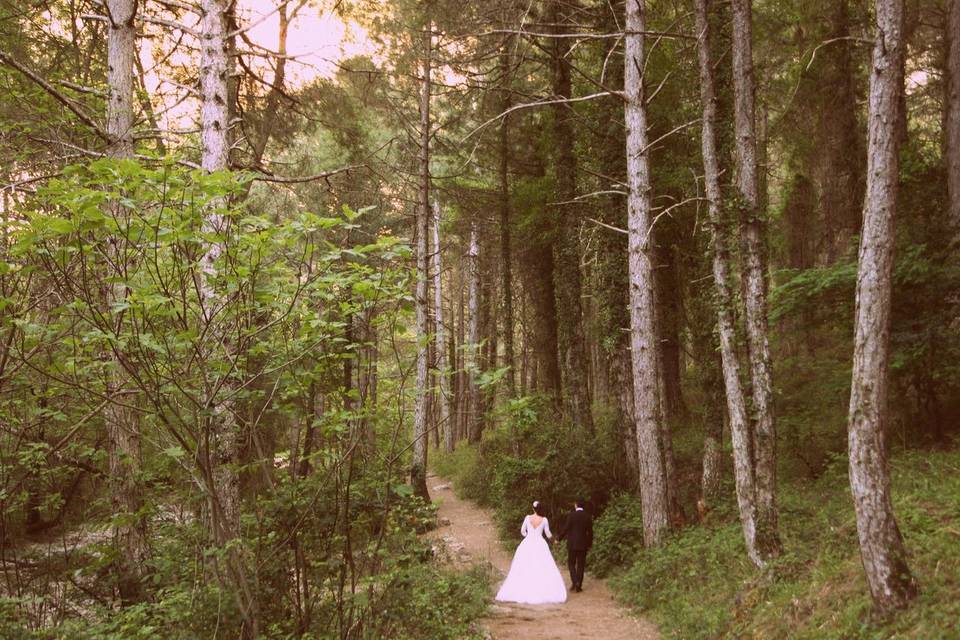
(533, 577)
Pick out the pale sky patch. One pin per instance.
(317, 39)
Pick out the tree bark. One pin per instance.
(214, 157)
(736, 403)
(539, 286)
(575, 385)
(488, 326)
(506, 265)
(755, 282)
(471, 355)
(460, 355)
(881, 546)
(611, 287)
(643, 333)
(418, 469)
(214, 86)
(952, 124)
(621, 374)
(443, 361)
(215, 65)
(123, 427)
(666, 292)
(841, 161)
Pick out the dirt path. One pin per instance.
(470, 537)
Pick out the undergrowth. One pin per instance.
(699, 584)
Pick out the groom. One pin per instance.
(578, 531)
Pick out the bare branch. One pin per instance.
(609, 226)
(592, 194)
(590, 36)
(179, 26)
(59, 97)
(263, 177)
(541, 103)
(99, 154)
(669, 133)
(82, 89)
(179, 5)
(266, 17)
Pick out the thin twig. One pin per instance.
(59, 97)
(541, 103)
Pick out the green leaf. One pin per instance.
(403, 490)
(175, 452)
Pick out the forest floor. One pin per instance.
(469, 536)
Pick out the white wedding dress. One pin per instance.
(533, 577)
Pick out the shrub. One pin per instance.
(618, 535)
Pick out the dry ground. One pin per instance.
(470, 537)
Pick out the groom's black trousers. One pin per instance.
(576, 561)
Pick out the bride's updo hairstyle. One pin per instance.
(538, 508)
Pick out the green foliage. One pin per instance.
(465, 467)
(699, 584)
(160, 278)
(424, 602)
(617, 535)
(532, 454)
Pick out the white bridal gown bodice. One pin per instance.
(534, 577)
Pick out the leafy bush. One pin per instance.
(699, 584)
(463, 465)
(533, 454)
(618, 535)
(328, 539)
(425, 602)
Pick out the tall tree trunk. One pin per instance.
(214, 85)
(471, 349)
(488, 325)
(460, 355)
(952, 124)
(418, 469)
(736, 403)
(215, 65)
(270, 117)
(123, 427)
(881, 546)
(643, 332)
(566, 247)
(668, 294)
(506, 266)
(709, 372)
(841, 166)
(611, 286)
(755, 282)
(621, 374)
(666, 311)
(443, 361)
(539, 286)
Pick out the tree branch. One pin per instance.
(541, 103)
(590, 36)
(263, 177)
(59, 97)
(170, 23)
(179, 5)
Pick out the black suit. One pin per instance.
(578, 532)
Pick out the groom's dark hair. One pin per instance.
(580, 502)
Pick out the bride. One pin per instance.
(534, 577)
